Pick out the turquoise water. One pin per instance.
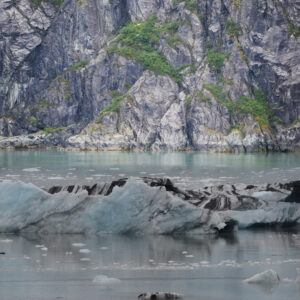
(190, 170)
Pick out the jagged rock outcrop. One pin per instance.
(215, 75)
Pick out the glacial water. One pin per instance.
(64, 266)
(203, 267)
(189, 170)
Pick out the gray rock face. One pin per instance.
(58, 81)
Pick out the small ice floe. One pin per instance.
(151, 260)
(31, 170)
(189, 255)
(39, 246)
(44, 249)
(85, 259)
(55, 178)
(160, 296)
(103, 248)
(114, 169)
(78, 245)
(268, 278)
(6, 241)
(292, 280)
(184, 252)
(106, 282)
(69, 253)
(84, 251)
(204, 262)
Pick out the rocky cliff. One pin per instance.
(218, 75)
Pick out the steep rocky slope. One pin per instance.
(216, 75)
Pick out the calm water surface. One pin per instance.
(200, 268)
(205, 268)
(45, 168)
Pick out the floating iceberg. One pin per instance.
(143, 205)
(269, 277)
(106, 282)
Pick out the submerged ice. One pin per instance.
(135, 205)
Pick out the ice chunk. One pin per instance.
(85, 259)
(105, 281)
(78, 245)
(6, 241)
(84, 251)
(269, 277)
(31, 170)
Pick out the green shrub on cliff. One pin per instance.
(257, 107)
(140, 40)
(215, 59)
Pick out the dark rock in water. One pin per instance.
(2, 253)
(159, 296)
(295, 195)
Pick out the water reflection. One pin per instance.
(34, 266)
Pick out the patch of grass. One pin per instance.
(188, 99)
(114, 107)
(191, 5)
(242, 52)
(215, 59)
(293, 30)
(114, 93)
(257, 107)
(32, 121)
(173, 41)
(79, 65)
(200, 97)
(224, 80)
(127, 86)
(193, 68)
(278, 119)
(295, 122)
(233, 29)
(139, 41)
(222, 98)
(65, 81)
(52, 129)
(68, 96)
(44, 103)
